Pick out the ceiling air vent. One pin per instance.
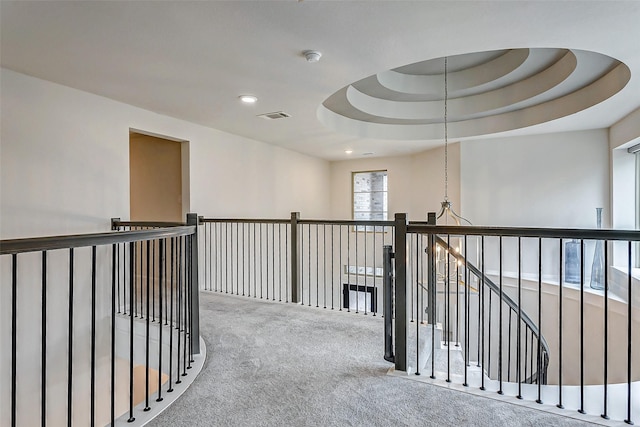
(274, 115)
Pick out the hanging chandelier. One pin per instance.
(446, 210)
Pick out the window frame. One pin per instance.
(369, 228)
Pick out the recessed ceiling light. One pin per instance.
(248, 99)
(348, 151)
(368, 154)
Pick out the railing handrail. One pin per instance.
(506, 298)
(356, 222)
(362, 222)
(248, 220)
(462, 230)
(562, 233)
(154, 224)
(15, 246)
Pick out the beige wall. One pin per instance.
(415, 182)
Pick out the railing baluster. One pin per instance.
(489, 316)
(332, 262)
(509, 347)
(417, 323)
(147, 330)
(447, 311)
(286, 262)
(500, 334)
(539, 355)
(606, 332)
(255, 269)
(483, 289)
(324, 271)
(153, 280)
(560, 303)
(365, 271)
(317, 267)
(173, 273)
(581, 410)
(115, 271)
(433, 284)
(375, 270)
(115, 254)
(280, 262)
(185, 301)
(466, 311)
(518, 333)
(132, 284)
(419, 278)
(340, 294)
(348, 271)
(457, 341)
(162, 251)
(179, 302)
(43, 381)
(629, 343)
(231, 257)
(14, 336)
(93, 335)
(70, 344)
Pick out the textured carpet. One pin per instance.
(276, 364)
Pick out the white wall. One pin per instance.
(552, 180)
(64, 169)
(65, 164)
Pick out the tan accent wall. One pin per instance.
(155, 168)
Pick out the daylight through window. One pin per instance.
(369, 197)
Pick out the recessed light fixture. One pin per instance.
(370, 153)
(348, 151)
(248, 99)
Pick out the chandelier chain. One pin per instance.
(446, 135)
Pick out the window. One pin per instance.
(369, 197)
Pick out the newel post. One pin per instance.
(295, 217)
(192, 219)
(400, 259)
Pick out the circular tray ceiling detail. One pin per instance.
(488, 93)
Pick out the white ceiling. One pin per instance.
(191, 60)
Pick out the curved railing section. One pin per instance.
(536, 356)
(104, 325)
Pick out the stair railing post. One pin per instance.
(431, 272)
(387, 309)
(401, 224)
(114, 223)
(192, 219)
(295, 217)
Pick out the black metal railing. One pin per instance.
(500, 299)
(499, 307)
(328, 264)
(100, 323)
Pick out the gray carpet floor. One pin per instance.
(277, 364)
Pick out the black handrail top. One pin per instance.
(565, 233)
(15, 246)
(247, 220)
(358, 222)
(155, 224)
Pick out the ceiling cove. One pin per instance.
(488, 92)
